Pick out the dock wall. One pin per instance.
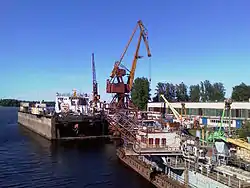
(44, 126)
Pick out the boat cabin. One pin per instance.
(157, 137)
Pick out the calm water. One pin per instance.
(28, 160)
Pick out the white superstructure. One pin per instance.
(76, 103)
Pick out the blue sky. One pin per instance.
(46, 46)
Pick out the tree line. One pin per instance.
(205, 91)
(16, 103)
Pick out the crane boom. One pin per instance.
(176, 114)
(96, 97)
(118, 63)
(95, 92)
(143, 34)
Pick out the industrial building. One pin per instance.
(209, 112)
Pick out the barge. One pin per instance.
(71, 118)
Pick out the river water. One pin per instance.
(28, 160)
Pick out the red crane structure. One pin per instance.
(96, 97)
(116, 83)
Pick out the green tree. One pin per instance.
(194, 93)
(161, 89)
(9, 102)
(155, 98)
(181, 92)
(166, 89)
(241, 92)
(211, 92)
(218, 92)
(171, 97)
(244, 131)
(208, 90)
(140, 93)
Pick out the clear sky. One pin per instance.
(46, 46)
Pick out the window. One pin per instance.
(200, 112)
(219, 112)
(151, 109)
(237, 113)
(151, 141)
(157, 141)
(163, 141)
(157, 109)
(244, 113)
(82, 101)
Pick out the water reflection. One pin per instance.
(29, 160)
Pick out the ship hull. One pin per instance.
(157, 179)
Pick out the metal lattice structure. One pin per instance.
(125, 125)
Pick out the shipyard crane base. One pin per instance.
(127, 126)
(123, 101)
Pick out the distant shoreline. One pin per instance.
(16, 103)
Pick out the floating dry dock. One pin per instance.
(44, 126)
(52, 128)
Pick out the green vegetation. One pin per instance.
(241, 92)
(16, 103)
(244, 131)
(203, 92)
(9, 102)
(140, 93)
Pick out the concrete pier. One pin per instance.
(44, 126)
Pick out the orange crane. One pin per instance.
(116, 83)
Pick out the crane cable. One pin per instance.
(149, 71)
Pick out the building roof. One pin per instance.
(208, 105)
